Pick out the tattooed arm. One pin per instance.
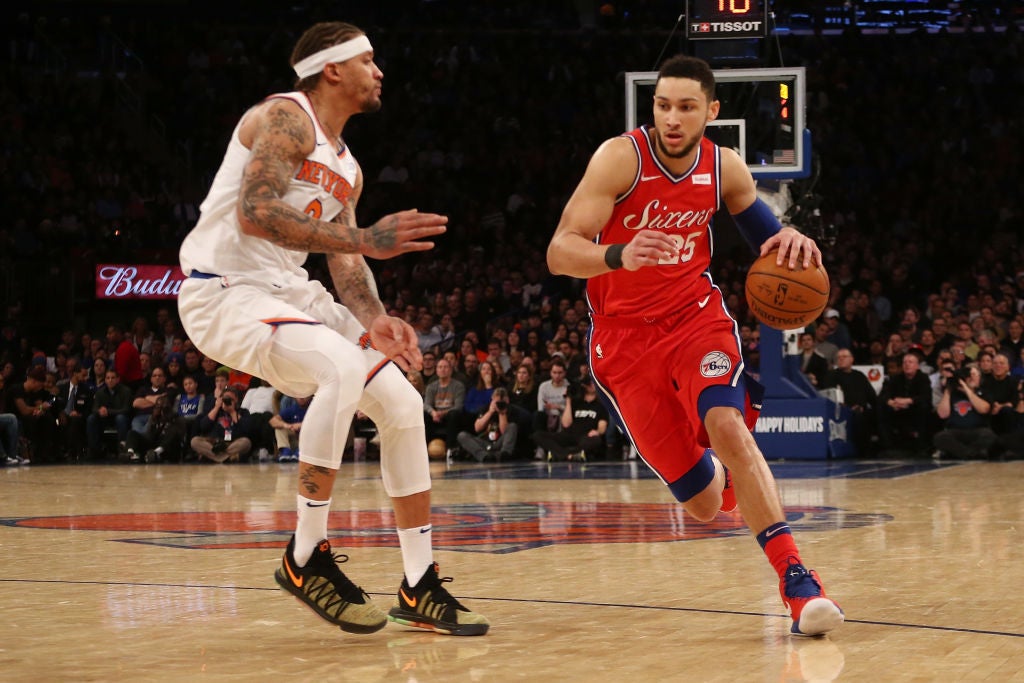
(353, 280)
(279, 136)
(355, 286)
(357, 290)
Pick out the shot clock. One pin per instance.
(723, 19)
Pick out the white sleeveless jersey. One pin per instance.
(321, 187)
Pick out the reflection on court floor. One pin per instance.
(586, 571)
(477, 527)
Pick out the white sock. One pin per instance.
(417, 551)
(311, 527)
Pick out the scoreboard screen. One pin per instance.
(723, 19)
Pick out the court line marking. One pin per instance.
(789, 470)
(543, 601)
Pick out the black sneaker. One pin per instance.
(327, 591)
(430, 606)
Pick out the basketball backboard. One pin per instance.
(761, 117)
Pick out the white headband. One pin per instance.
(315, 63)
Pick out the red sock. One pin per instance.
(778, 544)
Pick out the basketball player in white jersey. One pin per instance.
(287, 186)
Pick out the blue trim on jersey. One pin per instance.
(695, 480)
(727, 395)
(718, 182)
(636, 179)
(200, 275)
(675, 179)
(755, 391)
(376, 372)
(741, 366)
(611, 404)
(291, 321)
(735, 396)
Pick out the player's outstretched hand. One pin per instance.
(402, 232)
(649, 248)
(792, 243)
(397, 340)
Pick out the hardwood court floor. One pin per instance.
(587, 573)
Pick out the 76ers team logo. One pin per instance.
(715, 364)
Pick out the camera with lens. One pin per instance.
(228, 400)
(500, 398)
(963, 373)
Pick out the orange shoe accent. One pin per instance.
(412, 601)
(297, 580)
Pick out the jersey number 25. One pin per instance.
(685, 247)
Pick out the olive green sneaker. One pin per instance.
(430, 606)
(327, 591)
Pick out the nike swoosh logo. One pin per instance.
(310, 505)
(645, 178)
(320, 144)
(297, 580)
(412, 601)
(769, 534)
(426, 529)
(702, 304)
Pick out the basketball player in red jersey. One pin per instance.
(663, 349)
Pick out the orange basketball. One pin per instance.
(436, 449)
(785, 299)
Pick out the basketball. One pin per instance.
(436, 449)
(785, 299)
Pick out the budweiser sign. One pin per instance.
(114, 281)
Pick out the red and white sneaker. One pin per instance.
(728, 493)
(813, 612)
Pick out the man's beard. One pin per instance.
(372, 104)
(675, 155)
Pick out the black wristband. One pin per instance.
(613, 256)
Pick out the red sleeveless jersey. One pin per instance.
(681, 206)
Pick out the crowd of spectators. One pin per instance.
(945, 395)
(111, 125)
(138, 397)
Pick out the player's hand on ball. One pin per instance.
(791, 243)
(648, 248)
(396, 339)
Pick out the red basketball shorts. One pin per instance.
(661, 377)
